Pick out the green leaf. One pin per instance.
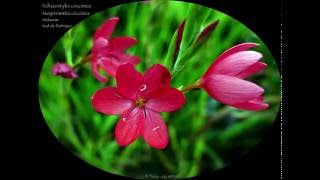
(192, 26)
(195, 18)
(169, 60)
(179, 38)
(67, 45)
(206, 32)
(174, 47)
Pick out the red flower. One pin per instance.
(108, 53)
(224, 78)
(64, 70)
(139, 99)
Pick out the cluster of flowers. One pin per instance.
(139, 98)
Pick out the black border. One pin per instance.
(44, 157)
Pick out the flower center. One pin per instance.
(139, 102)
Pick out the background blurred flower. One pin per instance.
(108, 53)
(139, 99)
(224, 78)
(64, 70)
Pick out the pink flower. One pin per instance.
(64, 70)
(139, 99)
(108, 53)
(224, 80)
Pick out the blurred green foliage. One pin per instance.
(203, 134)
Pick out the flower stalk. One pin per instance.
(196, 85)
(83, 61)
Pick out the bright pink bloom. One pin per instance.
(108, 53)
(224, 80)
(139, 99)
(64, 70)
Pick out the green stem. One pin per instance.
(215, 157)
(166, 162)
(216, 118)
(193, 86)
(177, 67)
(83, 61)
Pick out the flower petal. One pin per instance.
(106, 29)
(122, 43)
(233, 50)
(253, 105)
(108, 101)
(100, 45)
(125, 58)
(129, 126)
(95, 71)
(133, 59)
(166, 100)
(231, 90)
(128, 81)
(109, 65)
(72, 75)
(154, 130)
(253, 69)
(155, 77)
(111, 62)
(236, 63)
(64, 70)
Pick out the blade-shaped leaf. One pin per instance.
(174, 47)
(195, 16)
(67, 45)
(169, 60)
(179, 38)
(206, 32)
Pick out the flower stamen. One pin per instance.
(139, 102)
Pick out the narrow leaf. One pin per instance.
(205, 34)
(174, 47)
(169, 60)
(179, 39)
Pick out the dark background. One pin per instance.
(40, 155)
